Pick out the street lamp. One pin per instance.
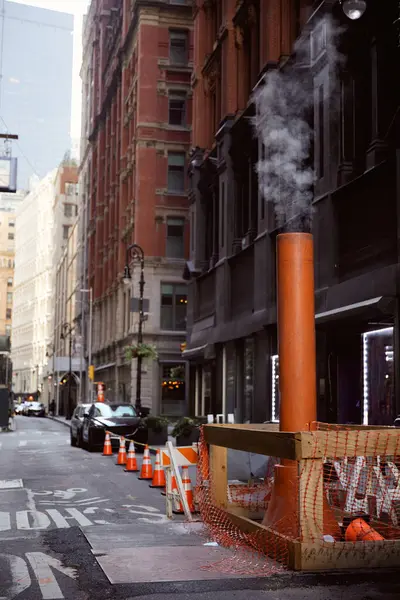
(135, 252)
(67, 331)
(354, 9)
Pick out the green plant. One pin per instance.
(155, 423)
(177, 372)
(142, 350)
(184, 426)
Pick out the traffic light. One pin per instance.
(183, 346)
(91, 372)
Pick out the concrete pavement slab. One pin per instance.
(163, 563)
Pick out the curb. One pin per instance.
(63, 422)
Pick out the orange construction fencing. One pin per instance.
(322, 483)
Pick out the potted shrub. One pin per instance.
(143, 350)
(186, 431)
(153, 430)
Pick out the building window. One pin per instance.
(69, 210)
(11, 223)
(10, 236)
(71, 189)
(8, 313)
(177, 108)
(10, 282)
(175, 238)
(173, 307)
(321, 132)
(178, 47)
(65, 232)
(176, 171)
(9, 297)
(8, 329)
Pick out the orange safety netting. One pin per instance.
(348, 489)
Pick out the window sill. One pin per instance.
(172, 193)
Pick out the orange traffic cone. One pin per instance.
(158, 476)
(131, 463)
(187, 486)
(178, 510)
(121, 460)
(107, 450)
(173, 485)
(147, 469)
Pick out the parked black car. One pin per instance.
(77, 423)
(121, 419)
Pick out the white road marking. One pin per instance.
(151, 509)
(58, 518)
(162, 519)
(78, 516)
(5, 521)
(77, 502)
(42, 565)
(0, 445)
(9, 484)
(22, 443)
(40, 520)
(20, 577)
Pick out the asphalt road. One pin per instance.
(50, 494)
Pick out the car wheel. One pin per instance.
(73, 440)
(79, 439)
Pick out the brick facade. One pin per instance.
(133, 77)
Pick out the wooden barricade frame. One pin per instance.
(309, 449)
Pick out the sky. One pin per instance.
(78, 8)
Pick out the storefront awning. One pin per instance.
(349, 310)
(193, 352)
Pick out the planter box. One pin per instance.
(151, 437)
(188, 440)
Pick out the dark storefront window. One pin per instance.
(248, 379)
(173, 390)
(173, 307)
(378, 377)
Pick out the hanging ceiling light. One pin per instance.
(354, 9)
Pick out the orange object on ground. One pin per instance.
(121, 460)
(131, 462)
(147, 469)
(187, 486)
(360, 531)
(107, 449)
(158, 475)
(297, 374)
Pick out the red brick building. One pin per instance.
(231, 310)
(137, 117)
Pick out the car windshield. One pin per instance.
(122, 410)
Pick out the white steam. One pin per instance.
(283, 107)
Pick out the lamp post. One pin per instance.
(90, 292)
(135, 252)
(67, 331)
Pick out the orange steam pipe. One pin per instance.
(297, 373)
(296, 331)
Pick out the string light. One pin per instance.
(365, 337)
